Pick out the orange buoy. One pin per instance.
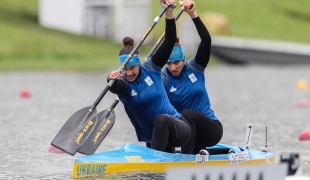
(25, 93)
(304, 135)
(301, 84)
(302, 103)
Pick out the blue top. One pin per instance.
(145, 98)
(188, 90)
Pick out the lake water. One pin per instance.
(258, 94)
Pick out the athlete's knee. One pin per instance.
(188, 117)
(162, 120)
(187, 114)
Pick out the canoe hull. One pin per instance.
(82, 170)
(135, 158)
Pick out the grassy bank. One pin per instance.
(267, 19)
(24, 45)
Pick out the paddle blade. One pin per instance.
(76, 130)
(104, 125)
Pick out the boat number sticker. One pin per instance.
(202, 158)
(238, 157)
(134, 159)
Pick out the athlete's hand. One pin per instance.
(187, 5)
(168, 12)
(114, 75)
(171, 3)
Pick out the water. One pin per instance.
(261, 95)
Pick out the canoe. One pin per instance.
(136, 158)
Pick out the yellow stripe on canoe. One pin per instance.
(82, 170)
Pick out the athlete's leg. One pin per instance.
(208, 131)
(160, 133)
(169, 148)
(169, 131)
(189, 146)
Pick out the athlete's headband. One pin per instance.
(177, 54)
(135, 60)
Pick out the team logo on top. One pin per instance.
(192, 77)
(148, 81)
(173, 89)
(133, 93)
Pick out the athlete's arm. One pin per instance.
(203, 52)
(117, 87)
(162, 54)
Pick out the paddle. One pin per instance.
(79, 126)
(106, 121)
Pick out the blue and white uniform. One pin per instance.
(145, 98)
(146, 103)
(188, 94)
(188, 90)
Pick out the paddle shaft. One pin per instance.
(162, 37)
(112, 107)
(159, 41)
(120, 69)
(156, 45)
(106, 122)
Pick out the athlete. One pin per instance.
(140, 89)
(185, 86)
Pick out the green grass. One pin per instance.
(25, 45)
(267, 19)
(32, 47)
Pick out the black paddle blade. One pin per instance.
(105, 123)
(76, 130)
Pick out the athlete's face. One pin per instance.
(131, 72)
(175, 67)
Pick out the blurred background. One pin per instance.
(86, 35)
(55, 56)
